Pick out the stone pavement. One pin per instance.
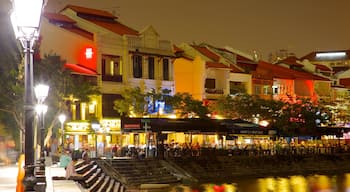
(8, 179)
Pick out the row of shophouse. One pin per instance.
(96, 45)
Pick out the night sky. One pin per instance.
(300, 26)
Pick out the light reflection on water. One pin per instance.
(297, 183)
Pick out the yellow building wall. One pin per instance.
(189, 77)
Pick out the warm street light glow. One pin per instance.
(41, 92)
(41, 108)
(25, 18)
(62, 119)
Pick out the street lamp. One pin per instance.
(41, 110)
(96, 127)
(41, 92)
(62, 119)
(25, 19)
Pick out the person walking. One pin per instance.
(65, 159)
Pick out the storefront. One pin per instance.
(241, 132)
(139, 131)
(98, 137)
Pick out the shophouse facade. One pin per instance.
(94, 43)
(336, 65)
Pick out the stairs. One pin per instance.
(96, 179)
(147, 171)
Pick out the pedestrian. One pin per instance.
(85, 156)
(71, 172)
(65, 159)
(114, 150)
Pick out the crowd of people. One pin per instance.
(266, 147)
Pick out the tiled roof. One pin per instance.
(115, 27)
(89, 11)
(68, 24)
(340, 69)
(322, 67)
(177, 49)
(108, 20)
(248, 67)
(243, 59)
(234, 69)
(56, 17)
(291, 61)
(206, 52)
(345, 82)
(80, 31)
(216, 65)
(285, 73)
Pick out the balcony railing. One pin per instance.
(214, 91)
(113, 78)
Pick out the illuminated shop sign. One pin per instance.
(78, 126)
(110, 123)
(88, 53)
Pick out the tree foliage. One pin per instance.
(64, 86)
(132, 104)
(187, 107)
(288, 118)
(137, 103)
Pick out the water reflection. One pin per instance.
(296, 183)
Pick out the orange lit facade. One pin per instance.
(202, 71)
(96, 45)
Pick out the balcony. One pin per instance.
(213, 93)
(113, 78)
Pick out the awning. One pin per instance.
(80, 69)
(171, 125)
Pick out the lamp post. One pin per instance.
(41, 110)
(25, 19)
(62, 119)
(96, 127)
(41, 92)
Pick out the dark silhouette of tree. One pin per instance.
(64, 87)
(187, 107)
(135, 103)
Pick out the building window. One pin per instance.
(137, 66)
(111, 68)
(237, 87)
(210, 83)
(275, 90)
(166, 69)
(150, 67)
(266, 90)
(108, 105)
(257, 89)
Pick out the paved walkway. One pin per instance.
(8, 179)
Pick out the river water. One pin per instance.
(295, 183)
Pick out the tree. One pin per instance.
(49, 70)
(64, 86)
(132, 104)
(136, 103)
(224, 106)
(187, 107)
